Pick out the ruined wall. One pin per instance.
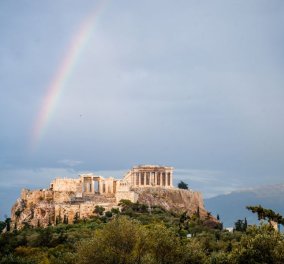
(40, 208)
(130, 195)
(123, 192)
(66, 185)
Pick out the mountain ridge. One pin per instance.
(232, 206)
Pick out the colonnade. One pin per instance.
(93, 185)
(152, 178)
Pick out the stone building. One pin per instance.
(139, 176)
(149, 176)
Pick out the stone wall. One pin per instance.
(130, 195)
(66, 185)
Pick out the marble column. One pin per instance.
(156, 180)
(111, 187)
(100, 187)
(138, 179)
(93, 186)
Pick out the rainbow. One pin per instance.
(58, 83)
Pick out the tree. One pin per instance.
(8, 224)
(2, 226)
(115, 210)
(99, 210)
(65, 220)
(267, 214)
(241, 225)
(58, 220)
(183, 185)
(245, 223)
(76, 218)
(259, 244)
(108, 214)
(197, 212)
(120, 241)
(125, 204)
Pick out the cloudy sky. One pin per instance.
(197, 85)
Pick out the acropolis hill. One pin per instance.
(68, 198)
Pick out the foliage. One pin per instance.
(108, 214)
(2, 225)
(241, 225)
(76, 218)
(183, 185)
(99, 210)
(266, 214)
(8, 224)
(142, 236)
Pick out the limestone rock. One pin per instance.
(46, 207)
(176, 200)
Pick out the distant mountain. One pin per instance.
(232, 207)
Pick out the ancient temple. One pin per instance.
(150, 175)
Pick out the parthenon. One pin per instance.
(150, 175)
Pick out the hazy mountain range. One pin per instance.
(232, 206)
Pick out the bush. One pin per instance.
(108, 214)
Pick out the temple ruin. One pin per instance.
(138, 177)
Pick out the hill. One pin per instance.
(232, 206)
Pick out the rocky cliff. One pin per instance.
(176, 200)
(49, 207)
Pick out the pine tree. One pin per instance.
(183, 185)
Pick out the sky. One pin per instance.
(101, 86)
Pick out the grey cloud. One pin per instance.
(70, 163)
(189, 84)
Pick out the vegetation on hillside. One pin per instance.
(142, 234)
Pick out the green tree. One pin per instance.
(120, 241)
(2, 226)
(99, 210)
(108, 214)
(259, 245)
(8, 224)
(241, 225)
(65, 220)
(266, 214)
(115, 210)
(183, 185)
(76, 218)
